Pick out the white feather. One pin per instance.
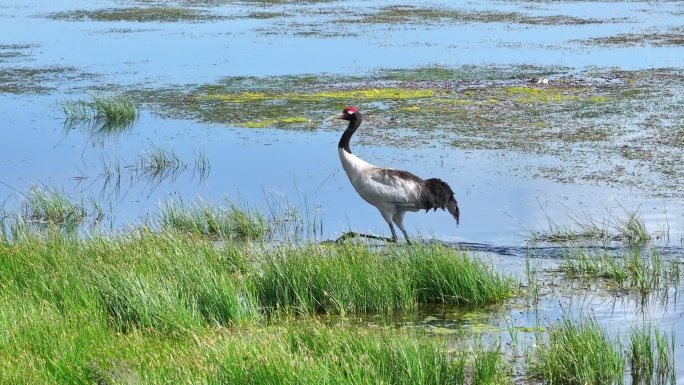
(385, 192)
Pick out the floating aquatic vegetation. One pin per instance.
(139, 14)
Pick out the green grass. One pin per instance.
(207, 219)
(642, 271)
(160, 307)
(577, 352)
(113, 112)
(158, 164)
(580, 352)
(651, 356)
(50, 206)
(627, 227)
(58, 352)
(352, 279)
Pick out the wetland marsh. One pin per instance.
(169, 188)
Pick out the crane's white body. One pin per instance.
(390, 195)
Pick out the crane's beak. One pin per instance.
(336, 116)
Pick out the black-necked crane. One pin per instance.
(393, 192)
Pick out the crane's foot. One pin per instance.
(353, 234)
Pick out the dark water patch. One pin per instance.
(266, 15)
(409, 14)
(138, 14)
(38, 80)
(667, 37)
(15, 51)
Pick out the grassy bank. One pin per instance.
(159, 306)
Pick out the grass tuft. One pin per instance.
(651, 356)
(352, 279)
(158, 164)
(577, 352)
(108, 113)
(50, 206)
(635, 270)
(628, 227)
(206, 219)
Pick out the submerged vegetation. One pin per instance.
(37, 80)
(627, 227)
(410, 14)
(673, 36)
(492, 108)
(632, 271)
(139, 14)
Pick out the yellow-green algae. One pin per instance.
(488, 108)
(272, 122)
(369, 93)
(541, 94)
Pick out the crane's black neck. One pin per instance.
(354, 123)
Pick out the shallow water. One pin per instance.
(499, 207)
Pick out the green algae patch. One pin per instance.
(140, 14)
(273, 122)
(11, 51)
(371, 93)
(670, 37)
(243, 97)
(266, 15)
(40, 80)
(570, 124)
(407, 14)
(539, 94)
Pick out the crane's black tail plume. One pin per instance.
(440, 196)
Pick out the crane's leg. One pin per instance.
(388, 218)
(394, 233)
(398, 218)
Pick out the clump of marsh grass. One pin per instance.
(627, 227)
(108, 113)
(577, 352)
(158, 164)
(55, 207)
(450, 276)
(635, 270)
(201, 165)
(340, 279)
(487, 366)
(651, 356)
(207, 219)
(293, 221)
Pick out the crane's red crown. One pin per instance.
(347, 112)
